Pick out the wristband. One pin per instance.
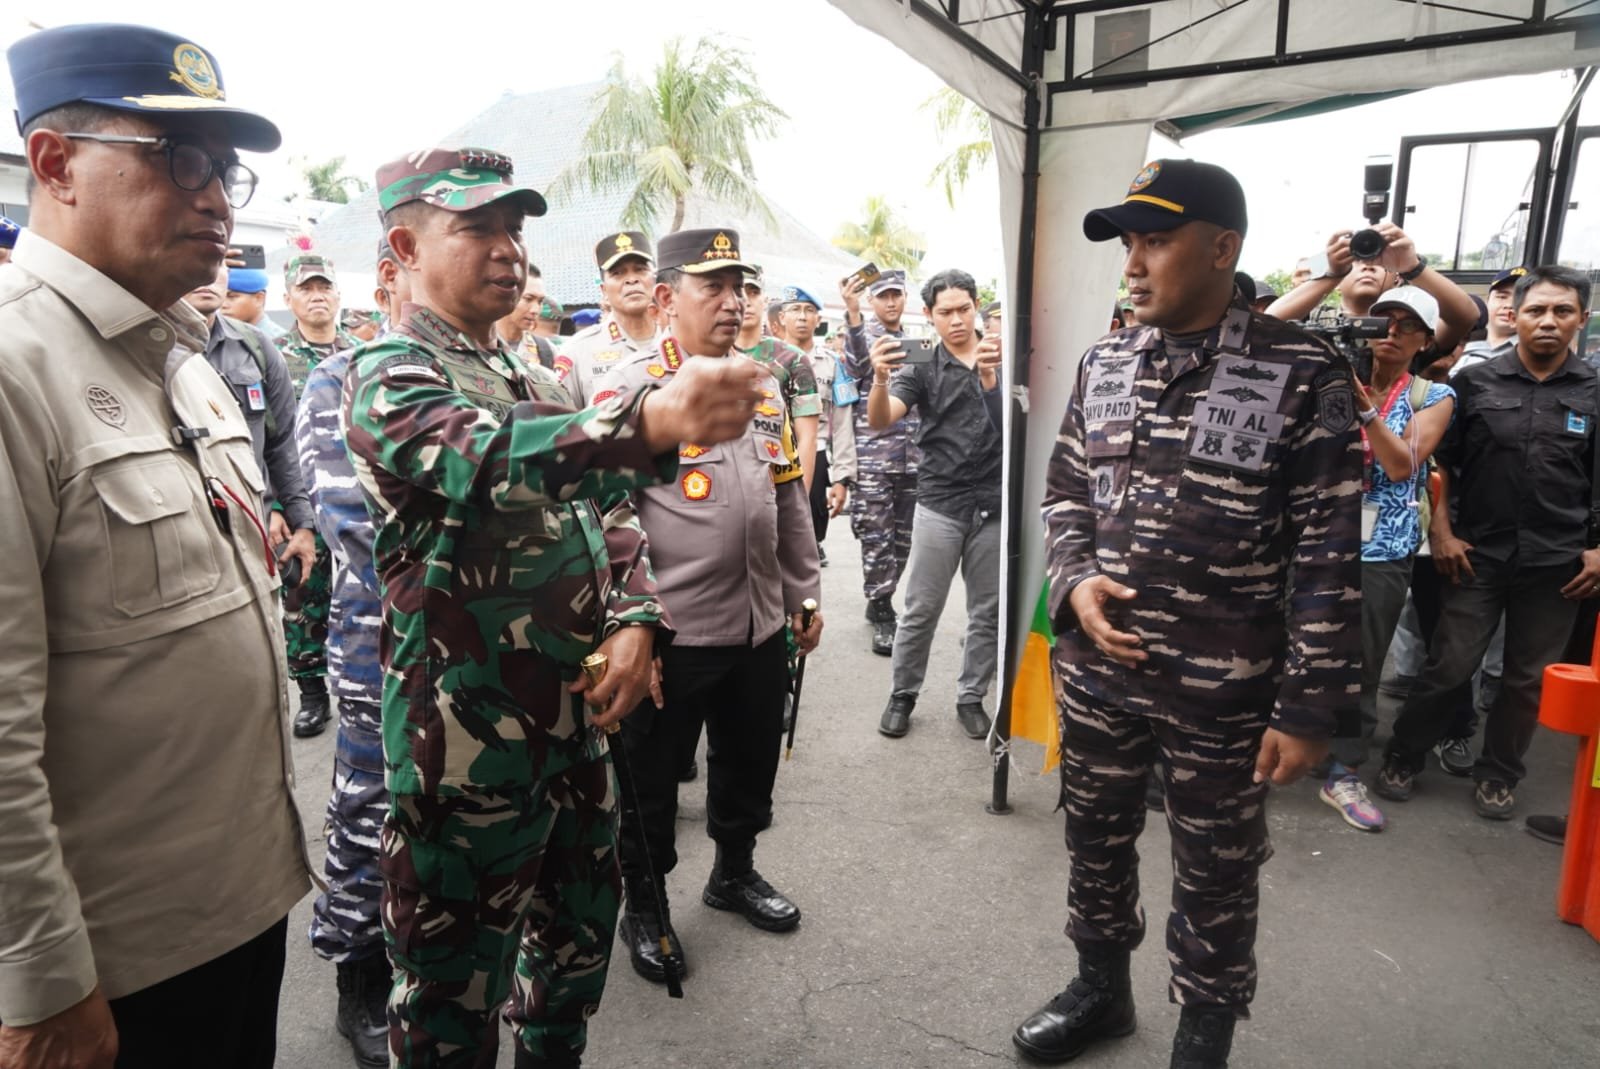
(1368, 416)
(1415, 273)
(876, 382)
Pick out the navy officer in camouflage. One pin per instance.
(1203, 528)
(498, 576)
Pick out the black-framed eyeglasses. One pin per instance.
(191, 166)
(1407, 325)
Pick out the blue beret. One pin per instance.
(796, 295)
(8, 233)
(247, 280)
(128, 68)
(586, 317)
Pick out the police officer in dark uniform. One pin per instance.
(1202, 518)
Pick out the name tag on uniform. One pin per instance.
(1577, 423)
(255, 398)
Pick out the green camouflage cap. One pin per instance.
(307, 266)
(457, 180)
(551, 310)
(616, 247)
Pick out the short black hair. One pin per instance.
(1569, 277)
(533, 270)
(953, 279)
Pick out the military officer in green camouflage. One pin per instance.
(312, 291)
(499, 575)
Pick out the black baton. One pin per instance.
(808, 611)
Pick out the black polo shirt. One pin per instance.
(960, 470)
(1520, 453)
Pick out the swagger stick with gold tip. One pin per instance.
(808, 612)
(594, 667)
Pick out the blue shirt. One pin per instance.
(1399, 528)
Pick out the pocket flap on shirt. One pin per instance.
(1498, 404)
(244, 376)
(144, 492)
(1581, 402)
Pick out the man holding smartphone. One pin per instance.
(957, 521)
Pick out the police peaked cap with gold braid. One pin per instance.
(128, 68)
(1165, 194)
(699, 252)
(455, 179)
(614, 248)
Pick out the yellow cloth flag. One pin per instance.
(1033, 698)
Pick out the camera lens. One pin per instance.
(1367, 244)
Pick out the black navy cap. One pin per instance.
(127, 68)
(893, 279)
(1168, 193)
(1508, 276)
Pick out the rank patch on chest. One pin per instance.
(656, 371)
(1245, 383)
(1229, 448)
(696, 485)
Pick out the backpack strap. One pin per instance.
(252, 341)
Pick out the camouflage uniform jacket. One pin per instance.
(731, 540)
(354, 613)
(892, 451)
(793, 372)
(590, 352)
(302, 355)
(498, 574)
(1226, 490)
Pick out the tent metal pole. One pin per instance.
(1035, 42)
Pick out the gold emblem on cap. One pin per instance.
(623, 241)
(721, 248)
(1151, 172)
(193, 71)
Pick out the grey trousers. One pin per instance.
(939, 545)
(1383, 598)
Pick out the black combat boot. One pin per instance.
(314, 714)
(362, 1013)
(564, 1060)
(1205, 1036)
(640, 931)
(1097, 1004)
(737, 887)
(881, 615)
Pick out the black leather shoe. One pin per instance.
(689, 772)
(314, 713)
(360, 1015)
(754, 897)
(1204, 1038)
(883, 637)
(896, 720)
(641, 934)
(1065, 1026)
(974, 721)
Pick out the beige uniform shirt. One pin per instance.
(147, 823)
(733, 548)
(589, 354)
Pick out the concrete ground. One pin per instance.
(931, 927)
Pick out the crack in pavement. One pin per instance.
(954, 1040)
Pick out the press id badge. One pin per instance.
(255, 398)
(845, 391)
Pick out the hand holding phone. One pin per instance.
(917, 350)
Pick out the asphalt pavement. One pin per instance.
(931, 927)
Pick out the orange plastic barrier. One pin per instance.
(1571, 703)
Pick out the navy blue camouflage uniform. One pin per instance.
(1223, 484)
(345, 920)
(885, 497)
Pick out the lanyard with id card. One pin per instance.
(255, 398)
(845, 391)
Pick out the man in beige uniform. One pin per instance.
(627, 288)
(149, 847)
(734, 559)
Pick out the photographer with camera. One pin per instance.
(1365, 264)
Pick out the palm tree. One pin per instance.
(881, 237)
(955, 115)
(688, 126)
(328, 181)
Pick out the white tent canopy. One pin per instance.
(1074, 88)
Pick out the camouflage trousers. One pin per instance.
(1217, 818)
(880, 517)
(345, 919)
(305, 618)
(474, 884)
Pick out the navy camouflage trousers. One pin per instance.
(500, 895)
(1218, 823)
(881, 509)
(345, 922)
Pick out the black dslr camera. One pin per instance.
(1367, 243)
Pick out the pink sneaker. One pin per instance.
(1348, 795)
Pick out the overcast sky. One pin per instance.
(340, 82)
